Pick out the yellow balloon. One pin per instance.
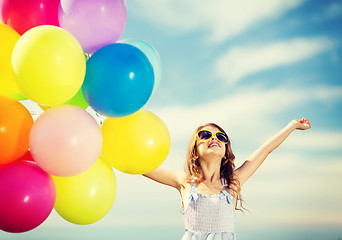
(87, 197)
(49, 64)
(8, 39)
(136, 144)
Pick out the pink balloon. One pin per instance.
(23, 15)
(1, 1)
(27, 196)
(93, 23)
(65, 140)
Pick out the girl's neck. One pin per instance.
(211, 170)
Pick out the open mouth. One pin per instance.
(213, 144)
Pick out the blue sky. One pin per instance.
(251, 67)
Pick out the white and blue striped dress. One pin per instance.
(209, 217)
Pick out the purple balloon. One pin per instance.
(93, 23)
(27, 196)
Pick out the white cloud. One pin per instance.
(230, 112)
(245, 111)
(223, 19)
(327, 94)
(317, 140)
(242, 61)
(290, 189)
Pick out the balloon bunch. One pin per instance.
(64, 159)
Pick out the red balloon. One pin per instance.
(22, 15)
(28, 195)
(27, 156)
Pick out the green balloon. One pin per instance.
(87, 56)
(78, 100)
(18, 96)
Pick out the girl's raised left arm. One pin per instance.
(256, 159)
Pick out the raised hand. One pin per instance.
(302, 124)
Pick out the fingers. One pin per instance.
(305, 122)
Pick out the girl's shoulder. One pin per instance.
(185, 188)
(184, 177)
(188, 180)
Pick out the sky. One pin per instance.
(251, 67)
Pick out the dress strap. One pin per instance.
(223, 181)
(193, 192)
(225, 193)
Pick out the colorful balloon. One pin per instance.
(23, 15)
(8, 39)
(78, 100)
(15, 126)
(94, 23)
(27, 196)
(119, 80)
(49, 64)
(152, 55)
(135, 144)
(26, 157)
(18, 96)
(44, 107)
(87, 197)
(1, 2)
(65, 140)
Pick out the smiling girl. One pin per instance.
(210, 187)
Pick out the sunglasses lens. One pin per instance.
(222, 137)
(204, 135)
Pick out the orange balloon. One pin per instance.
(15, 126)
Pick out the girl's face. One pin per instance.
(212, 146)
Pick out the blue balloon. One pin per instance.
(152, 55)
(119, 80)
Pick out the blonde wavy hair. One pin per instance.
(193, 166)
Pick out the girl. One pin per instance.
(210, 189)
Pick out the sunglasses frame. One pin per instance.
(212, 134)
